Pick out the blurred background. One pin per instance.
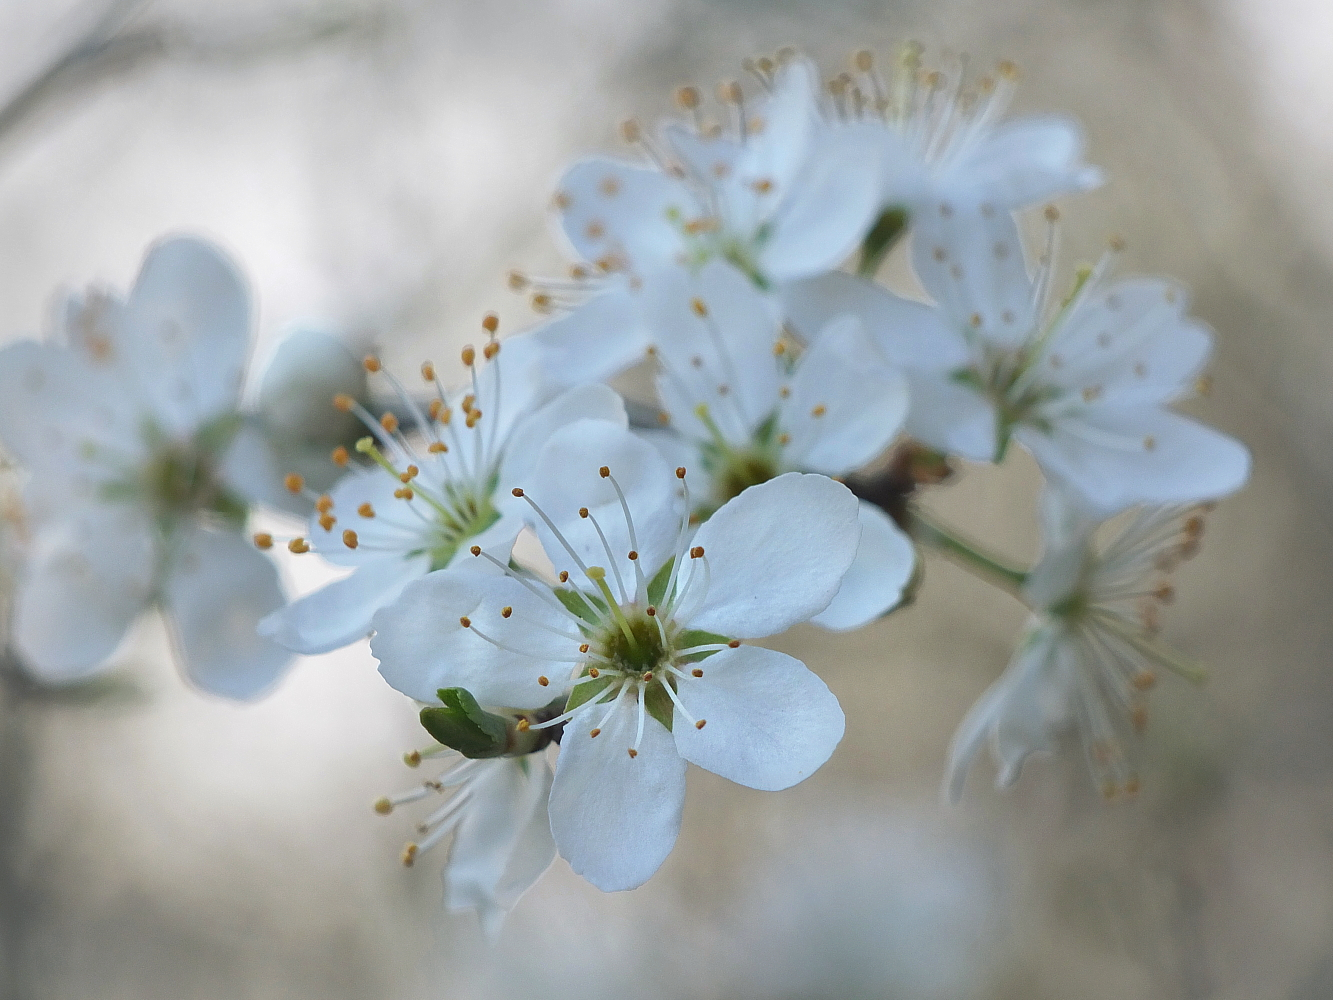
(377, 166)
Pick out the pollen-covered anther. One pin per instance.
(594, 733)
(633, 753)
(564, 578)
(409, 855)
(544, 681)
(411, 473)
(340, 457)
(699, 306)
(383, 805)
(366, 510)
(680, 472)
(389, 422)
(604, 472)
(437, 448)
(697, 552)
(343, 402)
(475, 550)
(506, 611)
(324, 504)
(327, 521)
(651, 611)
(633, 555)
(404, 493)
(516, 491)
(427, 371)
(491, 349)
(412, 758)
(583, 648)
(490, 323)
(734, 644)
(701, 723)
(593, 672)
(465, 621)
(583, 512)
(438, 411)
(298, 546)
(819, 411)
(696, 672)
(523, 725)
(630, 130)
(647, 676)
(371, 363)
(294, 482)
(469, 356)
(688, 97)
(349, 538)
(263, 540)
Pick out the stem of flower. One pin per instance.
(965, 553)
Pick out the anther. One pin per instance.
(819, 411)
(383, 806)
(700, 309)
(633, 753)
(583, 648)
(294, 482)
(506, 611)
(583, 512)
(734, 644)
(327, 521)
(1008, 70)
(411, 473)
(490, 323)
(409, 855)
(475, 550)
(298, 546)
(594, 733)
(701, 723)
(604, 472)
(427, 371)
(264, 540)
(324, 504)
(543, 680)
(404, 493)
(465, 621)
(865, 60)
(687, 97)
(647, 676)
(633, 555)
(1144, 680)
(371, 363)
(729, 92)
(516, 491)
(1052, 213)
(340, 457)
(473, 416)
(696, 672)
(491, 349)
(343, 402)
(389, 422)
(697, 552)
(435, 409)
(366, 510)
(469, 356)
(523, 725)
(349, 538)
(1117, 244)
(437, 447)
(564, 578)
(652, 611)
(630, 130)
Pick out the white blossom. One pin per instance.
(1089, 653)
(416, 507)
(142, 469)
(644, 629)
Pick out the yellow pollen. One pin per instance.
(490, 323)
(327, 521)
(523, 725)
(468, 400)
(696, 672)
(411, 473)
(633, 753)
(469, 356)
(779, 349)
(544, 681)
(427, 371)
(1008, 69)
(491, 349)
(700, 309)
(389, 422)
(583, 512)
(294, 482)
(340, 456)
(762, 186)
(371, 363)
(324, 504)
(349, 538)
(264, 540)
(475, 550)
(409, 855)
(604, 472)
(404, 493)
(784, 438)
(437, 447)
(472, 419)
(343, 402)
(298, 546)
(734, 644)
(697, 552)
(594, 733)
(465, 621)
(412, 758)
(687, 97)
(383, 806)
(366, 510)
(701, 723)
(819, 410)
(564, 578)
(506, 611)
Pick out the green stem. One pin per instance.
(944, 540)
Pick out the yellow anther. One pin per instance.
(472, 419)
(371, 363)
(544, 681)
(864, 60)
(465, 621)
(404, 493)
(343, 402)
(383, 806)
(388, 421)
(697, 552)
(630, 130)
(491, 349)
(583, 512)
(696, 672)
(1008, 69)
(506, 611)
(633, 753)
(412, 758)
(294, 482)
(523, 725)
(1052, 213)
(762, 186)
(541, 302)
(324, 504)
(1203, 385)
(819, 411)
(409, 855)
(349, 538)
(468, 400)
(298, 546)
(729, 92)
(517, 280)
(411, 473)
(490, 323)
(784, 438)
(469, 356)
(427, 371)
(475, 550)
(339, 456)
(596, 573)
(594, 733)
(438, 411)
(604, 472)
(701, 723)
(564, 578)
(437, 447)
(687, 97)
(366, 510)
(699, 307)
(327, 521)
(264, 540)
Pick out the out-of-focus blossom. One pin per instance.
(142, 471)
(417, 507)
(1084, 386)
(745, 405)
(1089, 654)
(644, 630)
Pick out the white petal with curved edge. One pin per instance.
(873, 586)
(1116, 458)
(392, 526)
(615, 817)
(423, 646)
(597, 339)
(775, 555)
(339, 613)
(567, 477)
(608, 207)
(971, 262)
(503, 842)
(217, 589)
(186, 332)
(770, 722)
(250, 469)
(588, 402)
(951, 417)
(909, 334)
(830, 206)
(1025, 161)
(1067, 527)
(846, 403)
(715, 334)
(88, 577)
(302, 373)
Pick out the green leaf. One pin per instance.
(461, 724)
(882, 238)
(658, 704)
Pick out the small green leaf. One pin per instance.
(461, 724)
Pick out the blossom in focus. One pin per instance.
(745, 405)
(1084, 386)
(644, 630)
(1089, 654)
(416, 506)
(142, 470)
(496, 811)
(784, 193)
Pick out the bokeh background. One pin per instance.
(377, 166)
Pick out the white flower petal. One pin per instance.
(970, 259)
(88, 577)
(951, 417)
(608, 207)
(1116, 458)
(769, 721)
(1025, 161)
(423, 646)
(590, 402)
(304, 371)
(874, 584)
(597, 339)
(615, 817)
(216, 591)
(250, 468)
(909, 334)
(567, 477)
(846, 403)
(392, 526)
(503, 843)
(776, 555)
(339, 613)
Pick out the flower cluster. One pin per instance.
(802, 411)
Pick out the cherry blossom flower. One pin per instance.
(1089, 653)
(644, 630)
(415, 508)
(142, 472)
